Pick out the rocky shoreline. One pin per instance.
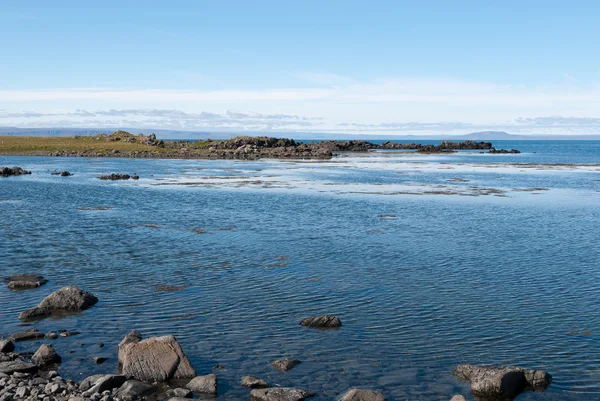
(157, 368)
(124, 144)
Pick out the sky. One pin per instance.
(355, 67)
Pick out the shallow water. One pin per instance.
(428, 260)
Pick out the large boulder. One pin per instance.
(45, 355)
(156, 359)
(25, 281)
(356, 394)
(11, 367)
(280, 394)
(66, 300)
(322, 322)
(203, 384)
(506, 381)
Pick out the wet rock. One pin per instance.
(508, 381)
(52, 335)
(25, 281)
(89, 381)
(356, 394)
(66, 333)
(321, 322)
(155, 359)
(104, 383)
(45, 355)
(31, 334)
(115, 176)
(204, 384)
(135, 177)
(178, 393)
(99, 359)
(283, 365)
(66, 300)
(7, 346)
(11, 367)
(504, 151)
(458, 398)
(134, 389)
(253, 382)
(11, 171)
(64, 173)
(280, 394)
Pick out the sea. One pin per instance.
(429, 261)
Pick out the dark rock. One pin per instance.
(322, 322)
(355, 394)
(64, 173)
(279, 394)
(253, 382)
(24, 281)
(504, 151)
(31, 334)
(11, 367)
(107, 382)
(52, 335)
(9, 171)
(65, 300)
(508, 381)
(155, 359)
(7, 346)
(135, 177)
(99, 359)
(115, 176)
(203, 384)
(45, 355)
(135, 389)
(100, 345)
(283, 365)
(178, 393)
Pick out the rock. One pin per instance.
(52, 335)
(65, 333)
(11, 367)
(107, 382)
(99, 359)
(7, 171)
(134, 389)
(135, 177)
(279, 394)
(31, 334)
(45, 355)
(155, 359)
(178, 399)
(7, 346)
(64, 173)
(25, 281)
(458, 398)
(321, 322)
(66, 300)
(115, 176)
(204, 384)
(88, 382)
(508, 381)
(355, 394)
(22, 392)
(253, 382)
(283, 365)
(178, 393)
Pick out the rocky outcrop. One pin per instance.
(24, 281)
(465, 145)
(283, 365)
(156, 359)
(322, 322)
(504, 151)
(12, 171)
(63, 173)
(280, 394)
(356, 394)
(64, 301)
(203, 384)
(253, 382)
(115, 176)
(508, 381)
(46, 355)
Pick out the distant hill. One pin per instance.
(489, 136)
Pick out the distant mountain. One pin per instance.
(489, 136)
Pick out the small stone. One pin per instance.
(283, 365)
(52, 335)
(253, 382)
(22, 392)
(99, 359)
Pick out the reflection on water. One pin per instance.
(492, 263)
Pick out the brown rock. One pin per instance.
(203, 384)
(283, 365)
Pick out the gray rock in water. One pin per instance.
(134, 389)
(280, 394)
(11, 367)
(106, 382)
(458, 398)
(508, 381)
(253, 382)
(356, 394)
(178, 393)
(322, 322)
(32, 334)
(25, 281)
(7, 346)
(283, 365)
(204, 384)
(52, 335)
(66, 300)
(45, 355)
(155, 359)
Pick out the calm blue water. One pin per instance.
(428, 260)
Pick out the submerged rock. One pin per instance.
(283, 365)
(25, 281)
(253, 382)
(280, 394)
(322, 322)
(65, 300)
(156, 359)
(356, 394)
(9, 171)
(204, 384)
(507, 381)
(178, 393)
(31, 334)
(45, 355)
(115, 176)
(64, 173)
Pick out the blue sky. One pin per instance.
(336, 66)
